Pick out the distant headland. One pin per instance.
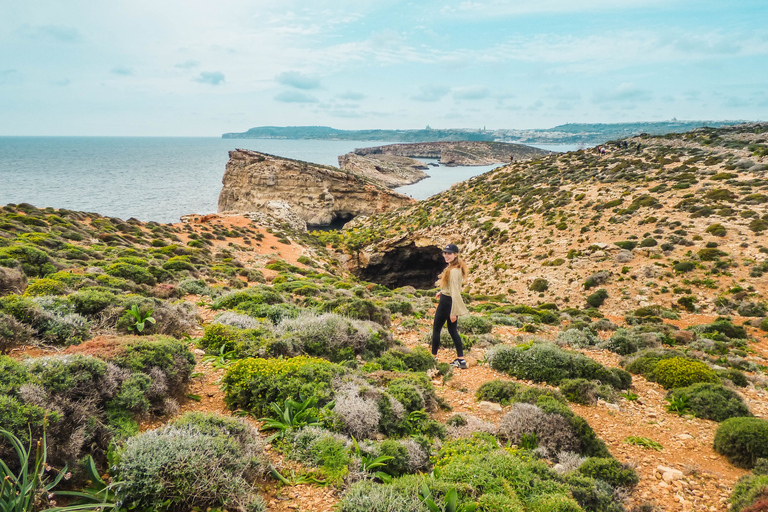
(572, 133)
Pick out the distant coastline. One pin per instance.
(573, 133)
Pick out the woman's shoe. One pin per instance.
(459, 363)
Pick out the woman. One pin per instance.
(451, 305)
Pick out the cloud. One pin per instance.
(429, 93)
(295, 97)
(187, 64)
(298, 80)
(121, 70)
(350, 95)
(210, 77)
(58, 33)
(626, 92)
(473, 92)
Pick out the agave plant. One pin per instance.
(292, 415)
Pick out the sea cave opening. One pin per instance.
(337, 222)
(405, 266)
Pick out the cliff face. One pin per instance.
(320, 195)
(458, 153)
(388, 170)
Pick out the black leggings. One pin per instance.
(443, 315)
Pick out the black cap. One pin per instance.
(451, 248)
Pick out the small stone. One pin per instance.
(198, 352)
(684, 436)
(489, 407)
(672, 475)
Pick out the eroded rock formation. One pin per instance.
(388, 170)
(458, 153)
(319, 194)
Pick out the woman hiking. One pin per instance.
(451, 305)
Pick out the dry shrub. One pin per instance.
(357, 407)
(553, 432)
(12, 280)
(470, 425)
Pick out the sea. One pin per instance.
(162, 178)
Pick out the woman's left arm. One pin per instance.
(457, 303)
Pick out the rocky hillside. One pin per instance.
(677, 220)
(318, 194)
(616, 345)
(458, 153)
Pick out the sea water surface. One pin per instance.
(159, 178)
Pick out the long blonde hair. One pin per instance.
(456, 263)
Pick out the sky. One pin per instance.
(202, 68)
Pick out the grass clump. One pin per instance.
(644, 442)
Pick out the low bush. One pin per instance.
(135, 273)
(543, 362)
(92, 301)
(254, 383)
(13, 333)
(199, 461)
(583, 391)
(609, 470)
(549, 431)
(577, 338)
(417, 359)
(332, 336)
(679, 372)
(255, 295)
(475, 324)
(505, 392)
(45, 286)
(645, 361)
(742, 440)
(359, 309)
(738, 378)
(539, 285)
(711, 401)
(597, 299)
(750, 494)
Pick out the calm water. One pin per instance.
(157, 178)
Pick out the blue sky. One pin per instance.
(172, 67)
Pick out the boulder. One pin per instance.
(12, 280)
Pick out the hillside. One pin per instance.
(563, 134)
(601, 378)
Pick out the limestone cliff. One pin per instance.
(388, 170)
(321, 195)
(458, 153)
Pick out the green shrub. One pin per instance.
(644, 362)
(742, 440)
(539, 285)
(598, 298)
(475, 324)
(22, 419)
(417, 359)
(577, 338)
(716, 230)
(198, 463)
(609, 470)
(750, 490)
(626, 245)
(548, 363)
(254, 295)
(711, 401)
(332, 336)
(255, 383)
(359, 309)
(649, 242)
(679, 372)
(684, 266)
(499, 391)
(711, 254)
(580, 391)
(623, 342)
(590, 444)
(724, 327)
(45, 286)
(135, 273)
(170, 356)
(178, 263)
(738, 378)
